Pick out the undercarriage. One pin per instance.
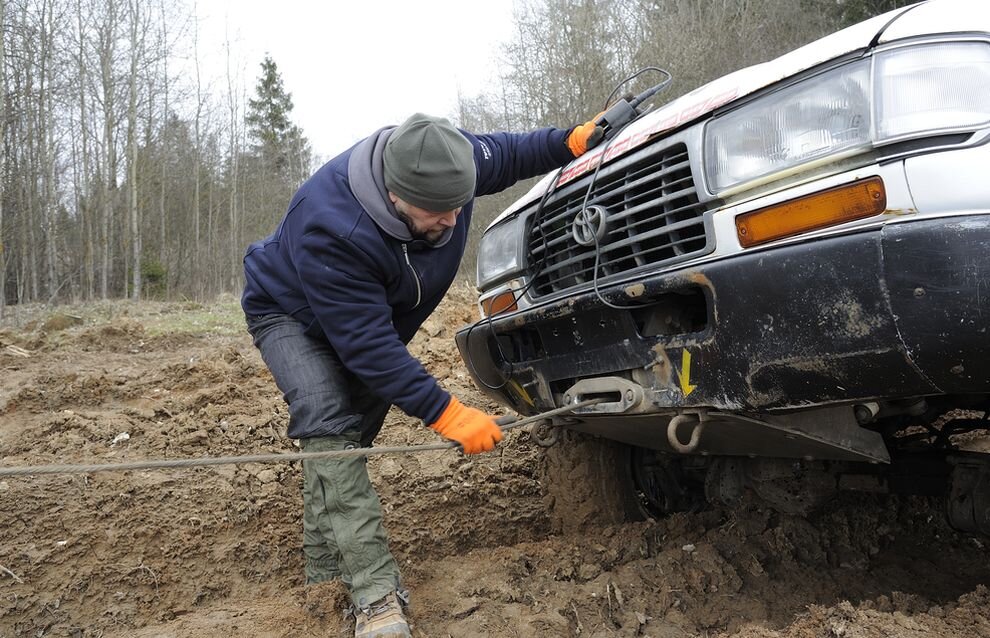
(929, 450)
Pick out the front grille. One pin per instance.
(653, 218)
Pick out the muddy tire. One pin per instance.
(589, 483)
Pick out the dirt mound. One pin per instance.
(60, 321)
(512, 543)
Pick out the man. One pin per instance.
(368, 248)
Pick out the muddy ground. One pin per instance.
(200, 551)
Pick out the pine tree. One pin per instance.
(278, 143)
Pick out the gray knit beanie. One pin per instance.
(430, 164)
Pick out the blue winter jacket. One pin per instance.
(344, 265)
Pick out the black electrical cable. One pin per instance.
(598, 247)
(551, 187)
(642, 97)
(639, 99)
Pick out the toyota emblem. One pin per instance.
(589, 226)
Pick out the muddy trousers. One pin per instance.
(330, 409)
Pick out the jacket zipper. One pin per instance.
(419, 290)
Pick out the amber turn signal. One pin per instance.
(502, 302)
(863, 198)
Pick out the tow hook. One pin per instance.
(696, 421)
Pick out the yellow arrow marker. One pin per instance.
(521, 391)
(686, 386)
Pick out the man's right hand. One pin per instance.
(473, 429)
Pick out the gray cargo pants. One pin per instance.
(330, 409)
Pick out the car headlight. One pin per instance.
(931, 89)
(899, 93)
(500, 252)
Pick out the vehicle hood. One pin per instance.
(932, 17)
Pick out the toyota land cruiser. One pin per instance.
(781, 278)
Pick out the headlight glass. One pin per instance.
(500, 252)
(902, 92)
(932, 88)
(810, 120)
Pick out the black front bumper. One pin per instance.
(900, 311)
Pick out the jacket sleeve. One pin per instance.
(348, 298)
(505, 158)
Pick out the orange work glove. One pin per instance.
(473, 429)
(585, 136)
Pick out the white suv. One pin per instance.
(783, 274)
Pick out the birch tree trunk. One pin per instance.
(198, 270)
(234, 152)
(3, 159)
(29, 254)
(132, 209)
(162, 208)
(84, 199)
(46, 142)
(107, 37)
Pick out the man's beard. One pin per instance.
(417, 234)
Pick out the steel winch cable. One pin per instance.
(504, 422)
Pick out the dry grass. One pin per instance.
(220, 316)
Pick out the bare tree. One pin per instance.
(197, 122)
(106, 34)
(3, 155)
(83, 182)
(233, 110)
(163, 188)
(136, 48)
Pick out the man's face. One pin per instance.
(424, 224)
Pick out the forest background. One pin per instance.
(124, 176)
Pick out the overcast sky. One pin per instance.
(353, 67)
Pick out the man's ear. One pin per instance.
(392, 196)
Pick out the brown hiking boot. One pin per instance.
(382, 619)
